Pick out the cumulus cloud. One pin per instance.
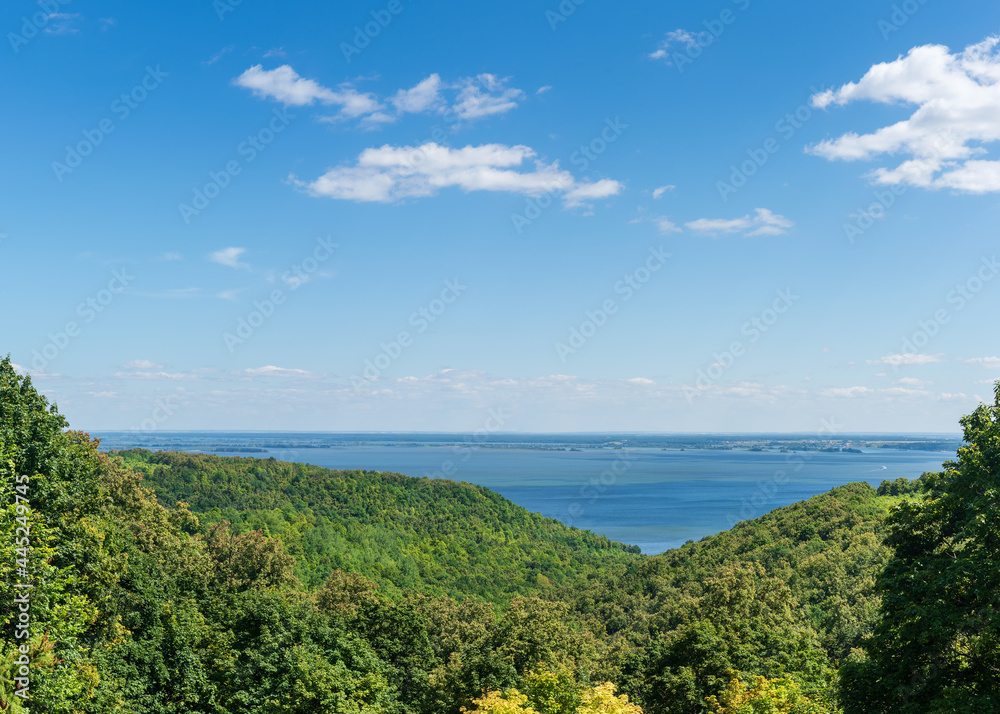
(957, 100)
(907, 360)
(230, 257)
(426, 95)
(284, 85)
(761, 222)
(391, 173)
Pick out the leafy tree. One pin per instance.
(765, 696)
(550, 695)
(936, 647)
(743, 623)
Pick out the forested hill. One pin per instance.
(261, 587)
(434, 536)
(825, 551)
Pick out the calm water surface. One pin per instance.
(648, 497)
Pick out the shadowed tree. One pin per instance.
(936, 647)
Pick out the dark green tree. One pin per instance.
(936, 646)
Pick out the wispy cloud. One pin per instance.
(907, 360)
(230, 257)
(142, 364)
(485, 95)
(673, 39)
(465, 100)
(222, 53)
(63, 23)
(761, 222)
(272, 371)
(666, 225)
(988, 362)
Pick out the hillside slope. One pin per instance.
(434, 536)
(828, 549)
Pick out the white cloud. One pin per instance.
(230, 257)
(907, 360)
(581, 193)
(848, 392)
(988, 362)
(640, 381)
(674, 37)
(222, 53)
(62, 23)
(154, 376)
(957, 100)
(484, 95)
(171, 256)
(913, 382)
(391, 173)
(275, 52)
(142, 364)
(666, 225)
(469, 98)
(283, 84)
(353, 104)
(272, 371)
(762, 222)
(959, 396)
(543, 90)
(903, 392)
(657, 192)
(423, 97)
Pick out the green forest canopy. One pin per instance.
(180, 583)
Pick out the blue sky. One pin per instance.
(713, 216)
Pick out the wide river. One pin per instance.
(656, 499)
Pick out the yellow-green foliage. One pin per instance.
(765, 696)
(601, 699)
